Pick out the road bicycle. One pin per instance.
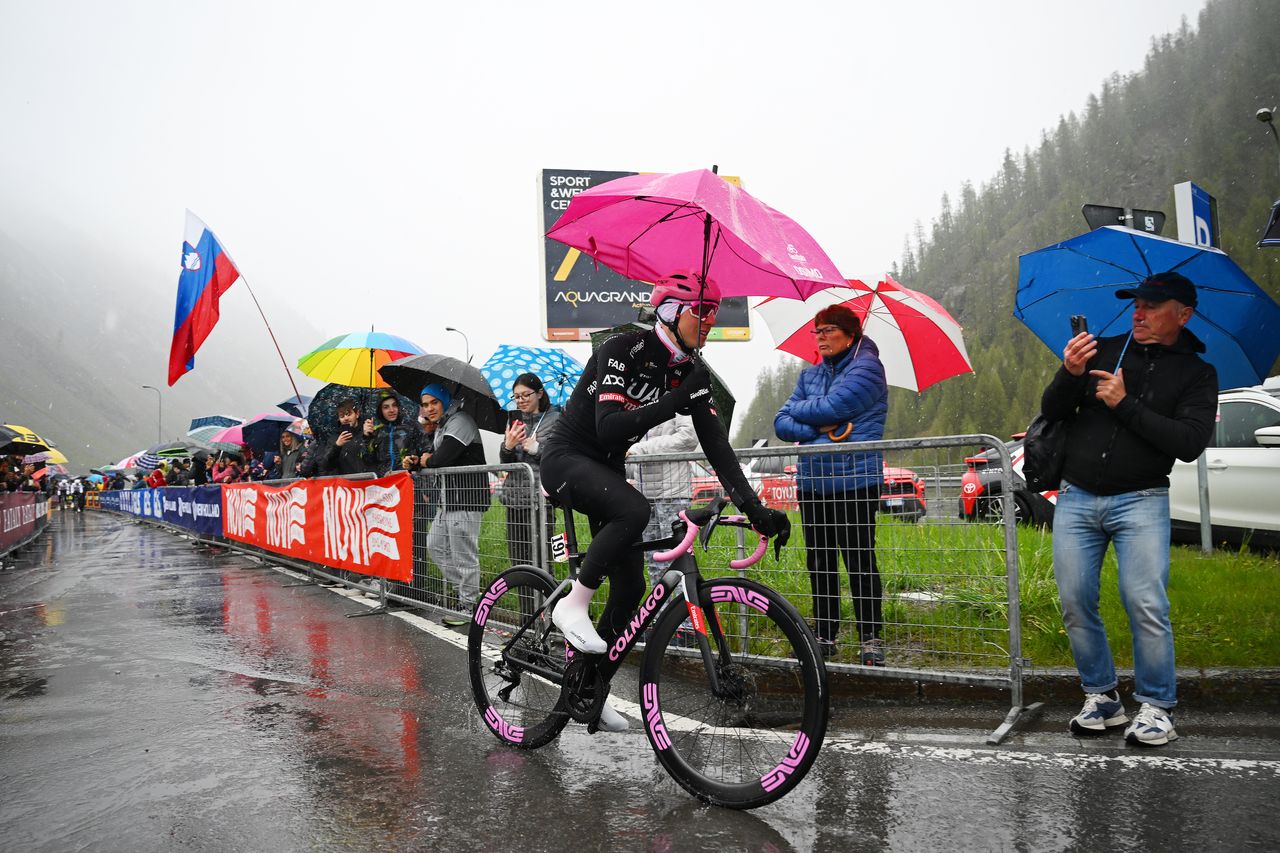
(732, 685)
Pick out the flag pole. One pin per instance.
(296, 395)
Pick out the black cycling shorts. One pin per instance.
(618, 515)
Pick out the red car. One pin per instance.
(980, 490)
(706, 485)
(902, 494)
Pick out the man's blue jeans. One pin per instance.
(1137, 523)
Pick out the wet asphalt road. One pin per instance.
(155, 697)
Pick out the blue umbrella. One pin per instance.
(1238, 323)
(205, 433)
(219, 421)
(263, 432)
(558, 371)
(296, 406)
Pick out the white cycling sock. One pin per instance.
(611, 720)
(571, 617)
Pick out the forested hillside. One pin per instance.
(1187, 115)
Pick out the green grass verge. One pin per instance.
(946, 602)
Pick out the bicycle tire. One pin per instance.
(530, 714)
(751, 748)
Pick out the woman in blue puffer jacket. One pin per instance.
(842, 398)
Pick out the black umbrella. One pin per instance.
(182, 447)
(322, 413)
(720, 394)
(408, 376)
(15, 441)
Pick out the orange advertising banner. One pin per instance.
(363, 526)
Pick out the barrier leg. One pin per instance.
(1016, 714)
(383, 605)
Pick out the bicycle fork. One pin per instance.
(705, 622)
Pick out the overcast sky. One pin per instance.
(377, 162)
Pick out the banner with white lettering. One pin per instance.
(22, 516)
(195, 508)
(144, 503)
(364, 526)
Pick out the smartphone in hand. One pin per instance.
(1079, 323)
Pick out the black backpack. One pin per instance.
(1045, 453)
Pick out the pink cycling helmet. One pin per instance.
(684, 287)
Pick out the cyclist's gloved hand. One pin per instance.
(770, 522)
(698, 380)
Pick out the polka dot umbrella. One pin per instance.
(558, 371)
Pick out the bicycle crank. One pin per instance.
(583, 692)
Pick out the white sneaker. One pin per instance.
(575, 623)
(1151, 726)
(611, 720)
(1101, 711)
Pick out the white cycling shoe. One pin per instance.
(611, 720)
(571, 617)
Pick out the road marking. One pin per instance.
(454, 637)
(1067, 760)
(968, 755)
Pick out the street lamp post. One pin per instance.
(159, 413)
(1267, 117)
(466, 343)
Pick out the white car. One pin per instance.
(1244, 472)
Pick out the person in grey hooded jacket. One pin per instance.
(667, 485)
(454, 540)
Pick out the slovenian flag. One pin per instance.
(207, 272)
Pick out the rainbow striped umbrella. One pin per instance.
(354, 359)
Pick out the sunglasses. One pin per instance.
(704, 310)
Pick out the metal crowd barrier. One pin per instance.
(948, 580)
(948, 583)
(500, 507)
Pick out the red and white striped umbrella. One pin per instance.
(920, 343)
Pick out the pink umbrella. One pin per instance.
(229, 434)
(646, 227)
(920, 343)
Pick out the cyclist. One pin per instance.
(633, 382)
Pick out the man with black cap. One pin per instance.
(1135, 402)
